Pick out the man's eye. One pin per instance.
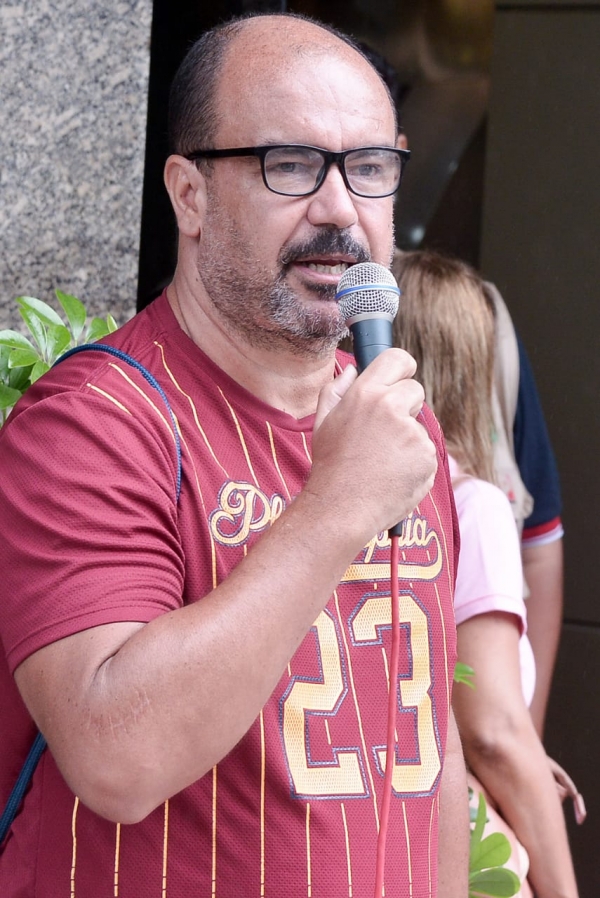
(366, 170)
(288, 166)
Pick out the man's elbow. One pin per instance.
(118, 795)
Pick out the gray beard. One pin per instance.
(268, 314)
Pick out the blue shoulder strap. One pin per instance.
(39, 744)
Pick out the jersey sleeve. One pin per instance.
(88, 516)
(489, 576)
(535, 459)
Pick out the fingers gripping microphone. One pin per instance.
(368, 298)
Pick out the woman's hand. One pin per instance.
(567, 789)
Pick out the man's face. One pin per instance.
(271, 263)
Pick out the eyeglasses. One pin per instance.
(300, 170)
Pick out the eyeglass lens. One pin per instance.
(297, 170)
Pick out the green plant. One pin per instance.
(488, 875)
(464, 674)
(23, 361)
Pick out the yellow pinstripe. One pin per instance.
(165, 849)
(191, 404)
(117, 855)
(348, 858)
(74, 850)
(275, 462)
(434, 804)
(146, 397)
(109, 397)
(240, 435)
(408, 857)
(214, 833)
(308, 858)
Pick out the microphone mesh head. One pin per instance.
(367, 288)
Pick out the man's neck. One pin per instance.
(283, 379)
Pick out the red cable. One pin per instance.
(391, 722)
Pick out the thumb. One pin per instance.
(331, 394)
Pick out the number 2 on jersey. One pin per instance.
(344, 775)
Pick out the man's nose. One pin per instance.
(333, 203)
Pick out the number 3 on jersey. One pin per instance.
(344, 775)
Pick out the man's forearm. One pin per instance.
(453, 854)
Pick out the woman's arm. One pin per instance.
(504, 751)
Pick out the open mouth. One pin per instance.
(337, 268)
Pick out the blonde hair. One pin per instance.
(446, 322)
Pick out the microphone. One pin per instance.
(368, 298)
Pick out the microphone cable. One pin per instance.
(368, 297)
(391, 720)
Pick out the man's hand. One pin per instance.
(371, 456)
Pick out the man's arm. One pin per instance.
(453, 853)
(134, 713)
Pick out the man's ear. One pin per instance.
(402, 142)
(186, 186)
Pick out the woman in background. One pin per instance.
(446, 321)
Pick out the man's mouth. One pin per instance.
(328, 267)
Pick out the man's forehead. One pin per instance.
(293, 87)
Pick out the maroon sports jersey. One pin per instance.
(92, 533)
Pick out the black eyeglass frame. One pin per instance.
(328, 155)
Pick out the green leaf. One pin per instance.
(19, 378)
(493, 851)
(464, 674)
(98, 328)
(74, 310)
(43, 311)
(37, 329)
(59, 339)
(38, 369)
(15, 340)
(480, 821)
(8, 396)
(496, 883)
(19, 358)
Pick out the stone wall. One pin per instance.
(73, 108)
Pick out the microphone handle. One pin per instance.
(370, 337)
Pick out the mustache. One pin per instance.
(330, 240)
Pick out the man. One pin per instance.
(210, 673)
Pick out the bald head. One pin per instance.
(226, 68)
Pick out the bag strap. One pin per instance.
(39, 744)
(20, 787)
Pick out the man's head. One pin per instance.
(269, 262)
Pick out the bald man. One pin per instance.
(210, 669)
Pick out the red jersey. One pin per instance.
(93, 533)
